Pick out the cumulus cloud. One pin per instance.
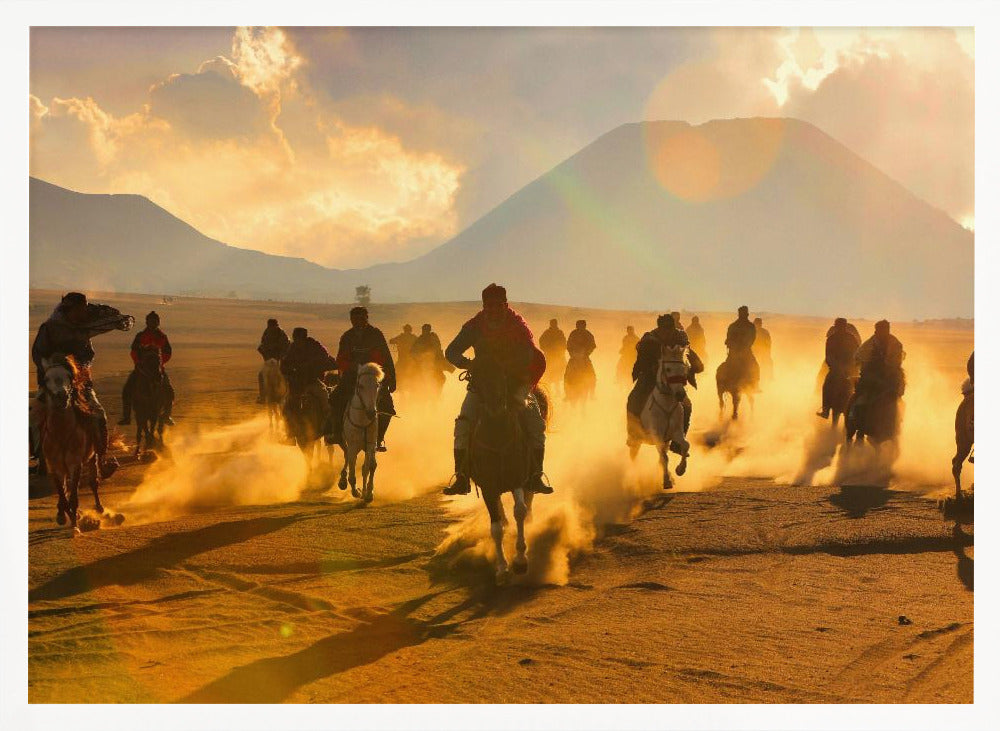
(211, 147)
(351, 147)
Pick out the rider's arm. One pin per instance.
(134, 351)
(388, 366)
(455, 353)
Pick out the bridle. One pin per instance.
(369, 410)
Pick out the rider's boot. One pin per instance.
(166, 414)
(126, 409)
(460, 485)
(107, 462)
(535, 482)
(383, 425)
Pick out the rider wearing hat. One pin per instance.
(67, 332)
(362, 344)
(740, 338)
(841, 346)
(273, 344)
(499, 335)
(154, 338)
(647, 363)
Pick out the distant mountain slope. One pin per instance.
(771, 213)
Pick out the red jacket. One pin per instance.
(512, 345)
(151, 339)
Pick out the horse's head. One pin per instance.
(369, 381)
(60, 375)
(105, 318)
(673, 369)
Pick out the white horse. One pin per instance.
(360, 431)
(662, 419)
(275, 389)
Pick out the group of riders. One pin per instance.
(501, 341)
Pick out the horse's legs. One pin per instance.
(667, 480)
(352, 460)
(368, 474)
(496, 530)
(94, 481)
(62, 506)
(520, 564)
(963, 450)
(74, 495)
(736, 404)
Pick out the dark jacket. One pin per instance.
(306, 360)
(552, 341)
(404, 343)
(367, 345)
(581, 344)
(741, 335)
(151, 338)
(841, 348)
(511, 346)
(273, 343)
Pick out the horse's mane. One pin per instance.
(371, 369)
(78, 376)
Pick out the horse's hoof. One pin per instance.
(502, 577)
(368, 497)
(61, 518)
(682, 468)
(520, 566)
(355, 492)
(668, 485)
(342, 484)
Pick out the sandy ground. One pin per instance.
(238, 578)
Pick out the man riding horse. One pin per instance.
(696, 336)
(501, 340)
(880, 359)
(428, 356)
(362, 344)
(740, 339)
(762, 348)
(273, 344)
(303, 366)
(841, 346)
(152, 338)
(647, 362)
(626, 355)
(580, 374)
(553, 345)
(68, 331)
(405, 362)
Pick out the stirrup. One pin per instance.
(540, 484)
(456, 487)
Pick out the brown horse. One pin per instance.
(67, 434)
(838, 387)
(737, 375)
(580, 380)
(964, 435)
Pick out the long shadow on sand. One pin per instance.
(162, 552)
(274, 679)
(857, 500)
(965, 564)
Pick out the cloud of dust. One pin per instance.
(780, 440)
(241, 464)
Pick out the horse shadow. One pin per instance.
(274, 679)
(161, 553)
(857, 500)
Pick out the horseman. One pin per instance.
(677, 320)
(68, 331)
(273, 344)
(362, 344)
(303, 366)
(626, 354)
(696, 336)
(841, 347)
(647, 364)
(762, 347)
(880, 359)
(500, 337)
(428, 354)
(553, 345)
(581, 343)
(739, 340)
(155, 339)
(404, 351)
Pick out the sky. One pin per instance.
(355, 146)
